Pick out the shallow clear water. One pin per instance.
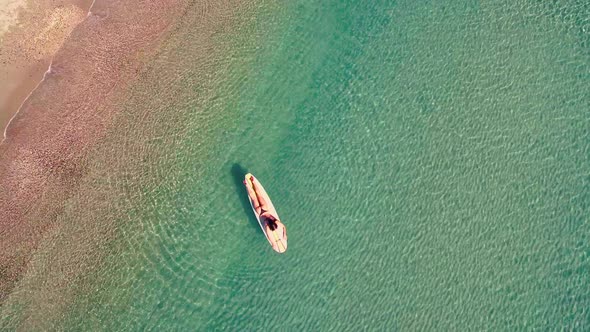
(430, 161)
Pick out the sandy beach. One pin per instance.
(30, 34)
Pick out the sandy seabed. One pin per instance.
(93, 56)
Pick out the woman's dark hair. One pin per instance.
(271, 222)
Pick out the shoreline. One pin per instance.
(31, 34)
(44, 155)
(22, 103)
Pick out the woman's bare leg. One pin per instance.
(253, 198)
(262, 202)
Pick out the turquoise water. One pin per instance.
(430, 161)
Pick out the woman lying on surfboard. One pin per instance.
(275, 231)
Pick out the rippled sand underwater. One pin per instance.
(430, 162)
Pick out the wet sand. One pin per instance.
(31, 32)
(43, 155)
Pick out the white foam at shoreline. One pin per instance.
(41, 81)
